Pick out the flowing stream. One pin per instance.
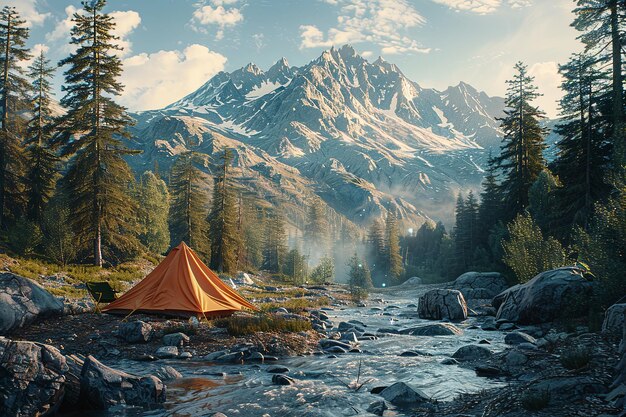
(321, 387)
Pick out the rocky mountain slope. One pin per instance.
(359, 134)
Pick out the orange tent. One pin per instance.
(181, 285)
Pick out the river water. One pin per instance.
(325, 386)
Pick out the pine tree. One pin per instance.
(490, 209)
(324, 272)
(393, 257)
(583, 157)
(602, 25)
(316, 230)
(377, 247)
(188, 207)
(542, 201)
(466, 232)
(521, 159)
(14, 90)
(296, 266)
(98, 178)
(359, 278)
(275, 243)
(154, 209)
(42, 161)
(223, 225)
(251, 227)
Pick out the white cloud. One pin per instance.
(548, 79)
(35, 51)
(482, 6)
(259, 41)
(155, 80)
(62, 28)
(125, 23)
(218, 13)
(474, 6)
(377, 21)
(28, 11)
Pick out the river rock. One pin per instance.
(280, 379)
(377, 408)
(437, 329)
(135, 331)
(546, 297)
(441, 304)
(103, 387)
(515, 358)
(517, 338)
(614, 319)
(166, 352)
(167, 373)
(480, 285)
(401, 394)
(176, 339)
(472, 353)
(328, 343)
(22, 301)
(350, 337)
(31, 378)
(449, 361)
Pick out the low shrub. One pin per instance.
(535, 400)
(296, 305)
(245, 325)
(576, 358)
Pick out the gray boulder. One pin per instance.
(546, 297)
(22, 301)
(377, 408)
(103, 387)
(32, 378)
(135, 331)
(437, 329)
(472, 353)
(167, 373)
(442, 304)
(614, 319)
(480, 285)
(517, 338)
(166, 352)
(280, 379)
(402, 395)
(176, 339)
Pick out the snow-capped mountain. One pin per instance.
(359, 134)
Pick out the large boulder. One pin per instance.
(22, 301)
(402, 395)
(436, 329)
(441, 304)
(546, 297)
(103, 387)
(480, 285)
(614, 319)
(135, 331)
(31, 378)
(472, 353)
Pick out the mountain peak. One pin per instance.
(280, 72)
(252, 68)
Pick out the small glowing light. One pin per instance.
(384, 285)
(360, 266)
(411, 231)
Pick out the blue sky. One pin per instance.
(171, 47)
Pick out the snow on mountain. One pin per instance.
(359, 134)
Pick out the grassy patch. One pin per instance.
(245, 325)
(296, 305)
(180, 328)
(535, 400)
(576, 358)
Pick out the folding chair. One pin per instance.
(101, 292)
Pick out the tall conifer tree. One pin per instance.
(521, 159)
(41, 160)
(394, 258)
(14, 90)
(98, 178)
(223, 225)
(188, 207)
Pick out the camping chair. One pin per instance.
(101, 293)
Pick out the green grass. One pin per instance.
(535, 400)
(246, 325)
(37, 270)
(576, 358)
